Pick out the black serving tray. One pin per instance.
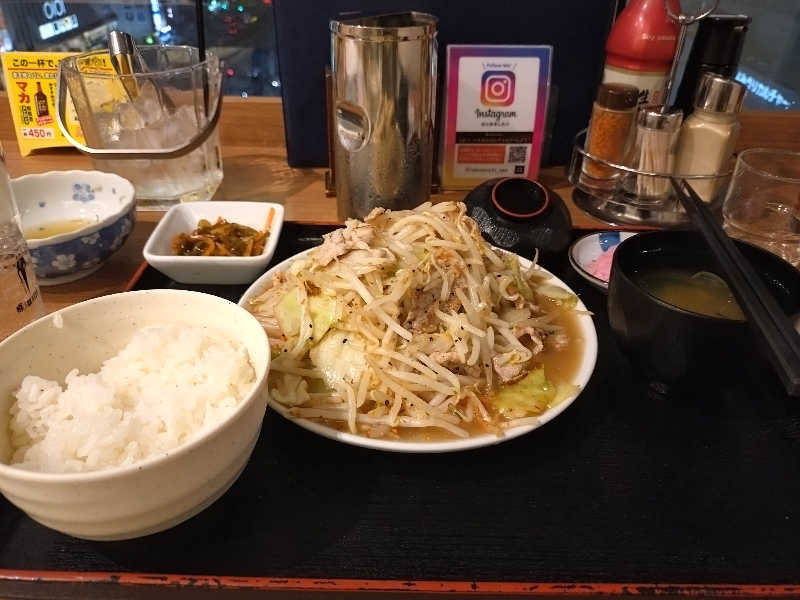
(621, 487)
(294, 238)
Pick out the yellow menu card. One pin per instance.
(31, 84)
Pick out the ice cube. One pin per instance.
(130, 118)
(149, 105)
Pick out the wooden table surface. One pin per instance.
(255, 169)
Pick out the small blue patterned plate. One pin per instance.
(73, 220)
(586, 250)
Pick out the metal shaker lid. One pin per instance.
(651, 117)
(719, 94)
(720, 39)
(617, 96)
(395, 27)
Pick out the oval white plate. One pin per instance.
(585, 250)
(581, 378)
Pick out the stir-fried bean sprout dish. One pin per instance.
(410, 320)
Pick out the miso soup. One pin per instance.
(696, 291)
(55, 228)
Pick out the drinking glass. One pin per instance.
(126, 117)
(763, 201)
(20, 300)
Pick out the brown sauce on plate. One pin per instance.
(560, 367)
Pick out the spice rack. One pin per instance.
(613, 199)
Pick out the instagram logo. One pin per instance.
(497, 88)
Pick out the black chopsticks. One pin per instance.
(765, 316)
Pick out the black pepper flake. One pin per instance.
(386, 403)
(430, 339)
(344, 341)
(310, 325)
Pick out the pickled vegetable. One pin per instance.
(220, 239)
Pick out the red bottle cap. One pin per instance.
(643, 37)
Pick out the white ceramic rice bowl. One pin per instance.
(160, 492)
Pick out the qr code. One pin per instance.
(517, 154)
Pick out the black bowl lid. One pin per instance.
(520, 198)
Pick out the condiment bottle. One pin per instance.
(709, 134)
(610, 128)
(20, 301)
(654, 150)
(717, 48)
(640, 48)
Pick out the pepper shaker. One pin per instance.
(610, 128)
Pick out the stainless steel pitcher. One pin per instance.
(384, 98)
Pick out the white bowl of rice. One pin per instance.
(127, 414)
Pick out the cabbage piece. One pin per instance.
(292, 390)
(324, 313)
(564, 391)
(289, 313)
(531, 394)
(558, 295)
(318, 386)
(341, 358)
(512, 262)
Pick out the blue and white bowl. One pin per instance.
(105, 200)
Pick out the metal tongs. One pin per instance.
(133, 75)
(128, 62)
(683, 20)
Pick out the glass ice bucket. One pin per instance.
(157, 128)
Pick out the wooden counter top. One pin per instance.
(256, 169)
(255, 164)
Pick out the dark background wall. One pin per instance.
(577, 29)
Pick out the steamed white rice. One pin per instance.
(166, 387)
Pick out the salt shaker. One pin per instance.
(20, 300)
(709, 134)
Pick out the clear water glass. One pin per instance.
(20, 300)
(170, 104)
(763, 201)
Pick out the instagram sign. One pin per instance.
(497, 88)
